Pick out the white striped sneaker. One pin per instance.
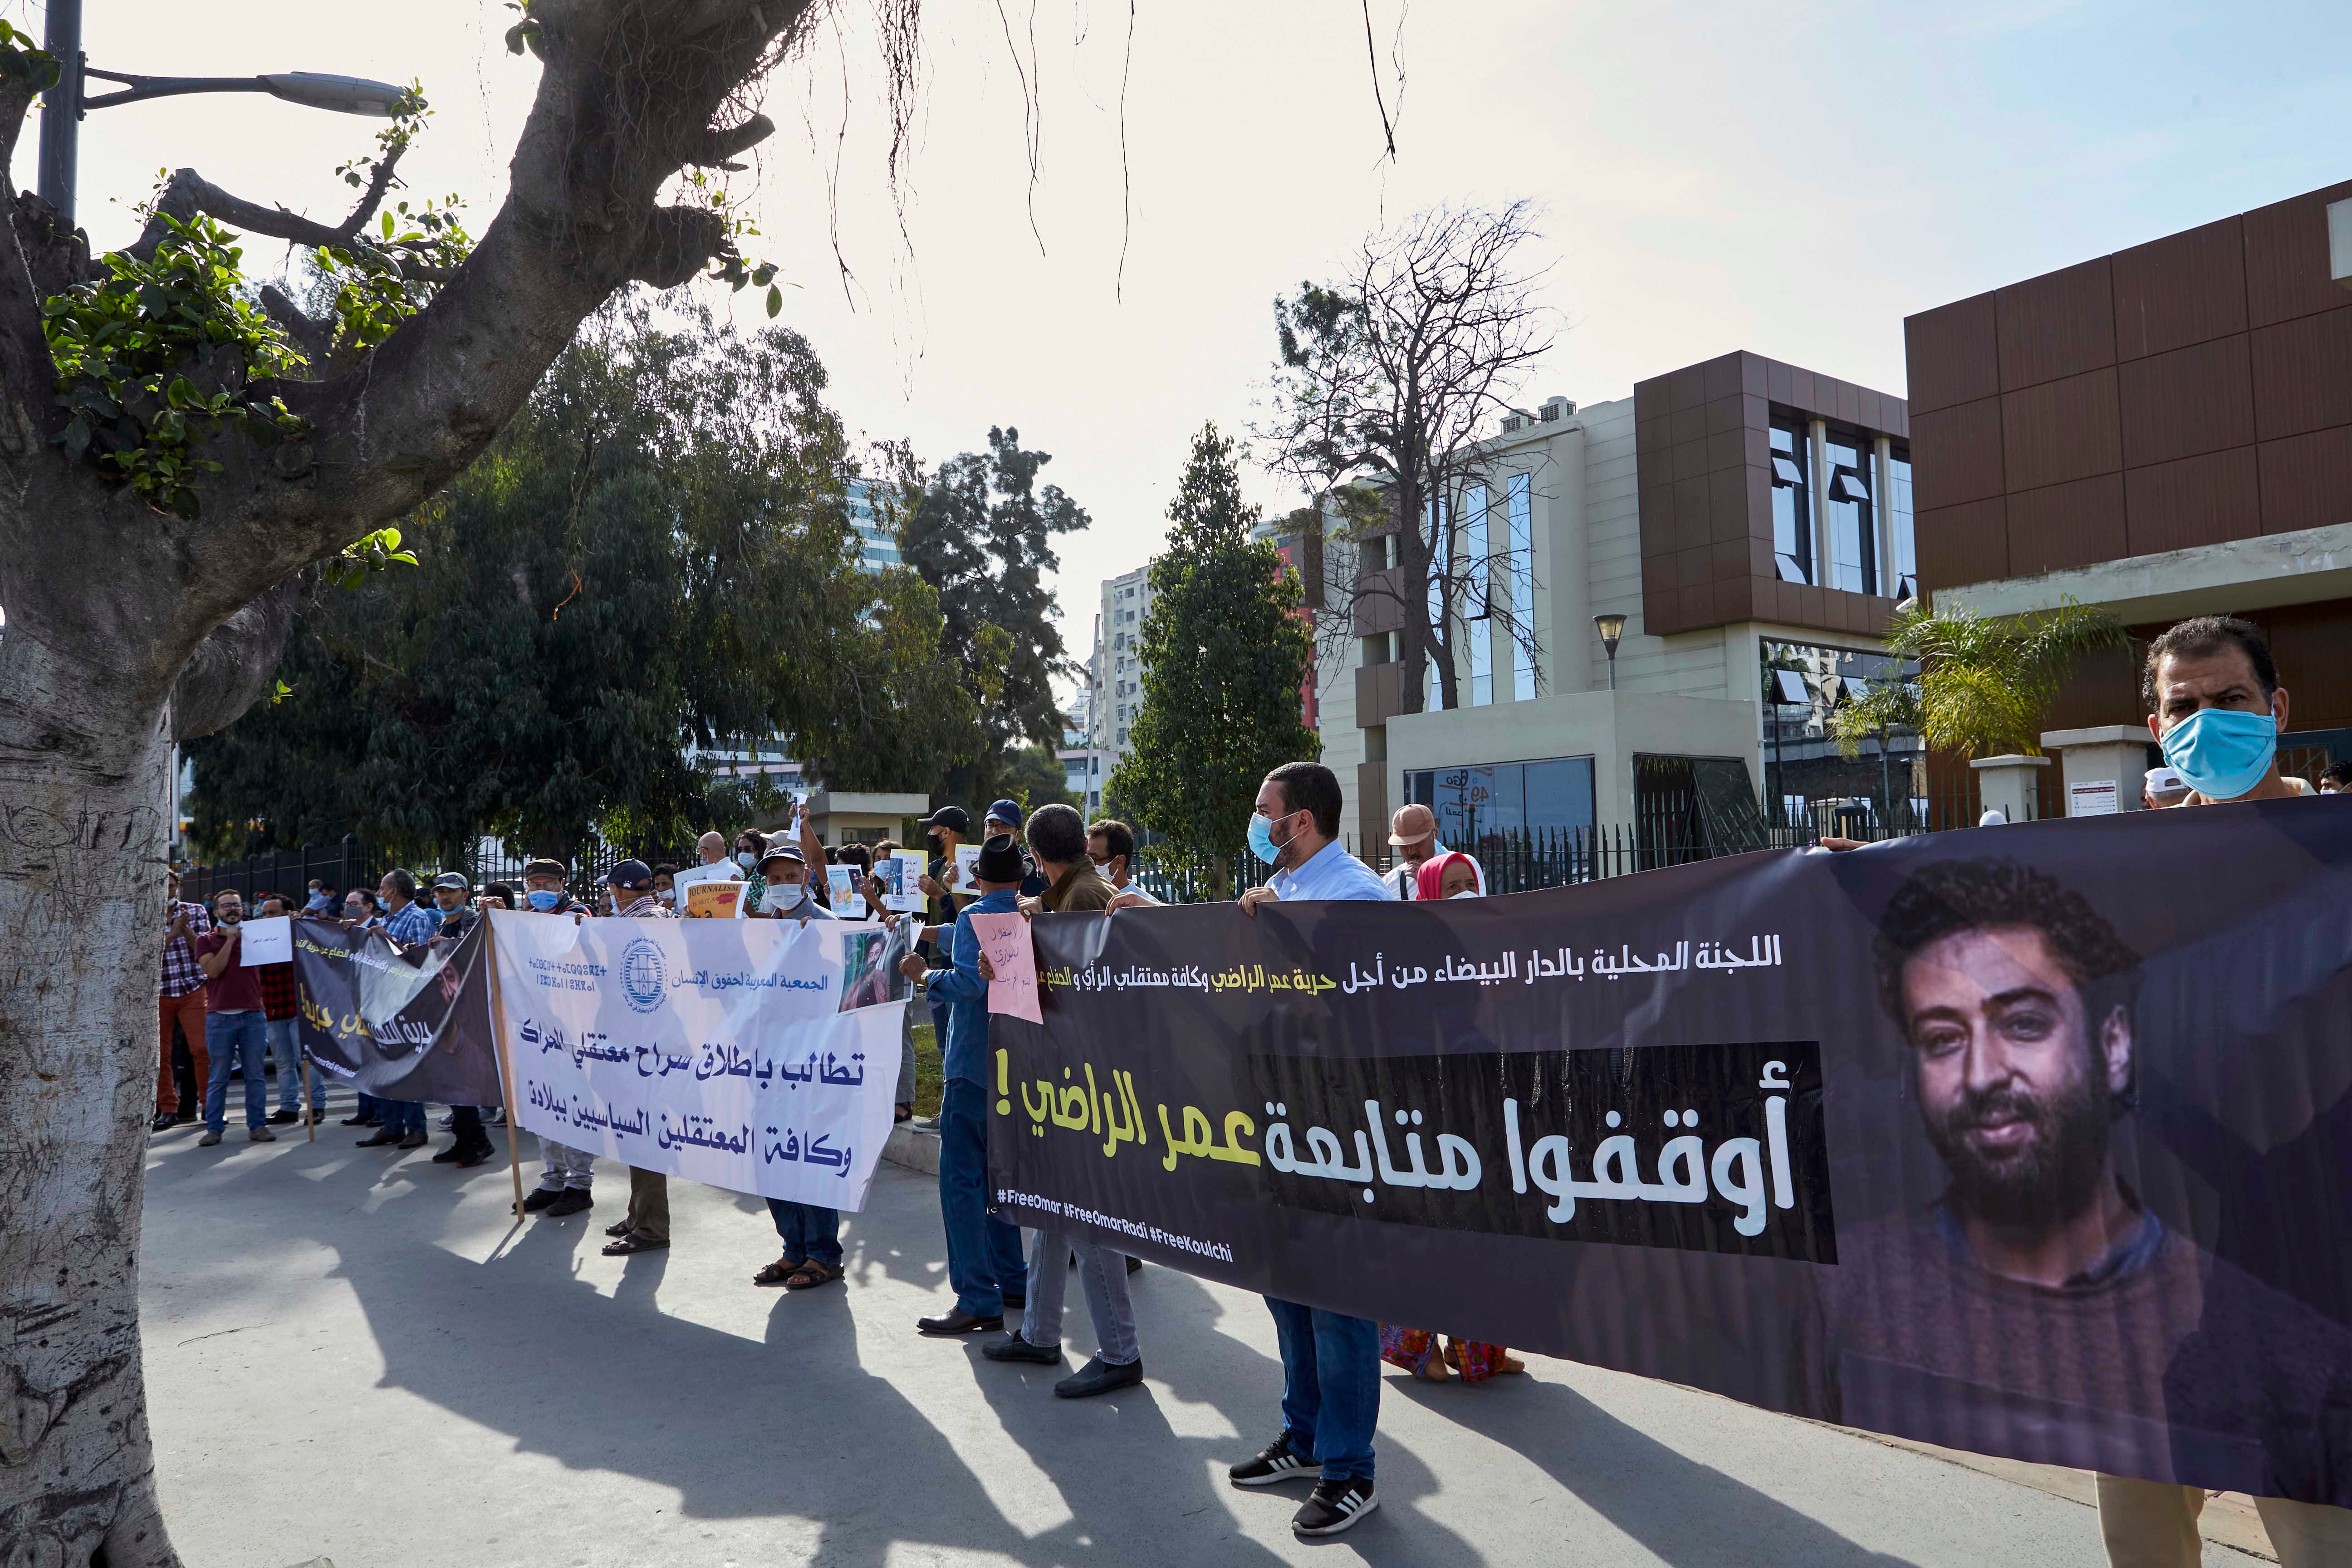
(1277, 1461)
(1334, 1506)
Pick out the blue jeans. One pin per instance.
(1330, 1386)
(286, 1050)
(983, 1253)
(401, 1116)
(234, 1039)
(811, 1235)
(369, 1104)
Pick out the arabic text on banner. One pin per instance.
(759, 1056)
(2033, 1140)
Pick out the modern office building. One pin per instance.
(1750, 523)
(1116, 671)
(2165, 431)
(877, 537)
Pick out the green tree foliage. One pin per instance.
(1225, 652)
(980, 534)
(1033, 776)
(1985, 683)
(656, 554)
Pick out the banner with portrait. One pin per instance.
(397, 1023)
(759, 1055)
(2031, 1140)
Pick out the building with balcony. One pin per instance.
(1750, 521)
(1115, 698)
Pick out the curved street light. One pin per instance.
(63, 105)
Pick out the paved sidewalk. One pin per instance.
(355, 1354)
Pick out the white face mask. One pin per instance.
(784, 895)
(743, 858)
(1465, 893)
(667, 895)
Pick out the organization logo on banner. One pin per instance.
(643, 981)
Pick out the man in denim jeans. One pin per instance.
(984, 1261)
(1330, 1362)
(281, 1005)
(234, 1032)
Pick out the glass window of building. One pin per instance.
(1480, 630)
(1807, 779)
(1523, 584)
(1484, 807)
(1905, 567)
(1792, 501)
(1853, 533)
(1441, 564)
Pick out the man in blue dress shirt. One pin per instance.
(1330, 1362)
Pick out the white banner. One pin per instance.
(759, 1056)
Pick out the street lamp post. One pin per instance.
(63, 105)
(1611, 628)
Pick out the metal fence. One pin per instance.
(355, 864)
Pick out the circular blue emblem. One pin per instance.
(642, 980)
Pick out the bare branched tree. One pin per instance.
(1391, 380)
(175, 463)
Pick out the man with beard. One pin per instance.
(2038, 1297)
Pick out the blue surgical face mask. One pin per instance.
(2221, 752)
(1261, 839)
(543, 900)
(744, 858)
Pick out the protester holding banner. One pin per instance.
(2217, 712)
(1058, 847)
(180, 1003)
(1331, 1362)
(235, 1029)
(281, 1009)
(565, 1184)
(1447, 874)
(401, 1122)
(645, 1227)
(984, 1261)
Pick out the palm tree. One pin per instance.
(1985, 682)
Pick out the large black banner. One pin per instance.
(400, 1023)
(2033, 1140)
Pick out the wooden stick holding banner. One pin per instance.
(302, 1070)
(506, 1068)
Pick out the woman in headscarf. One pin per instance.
(1452, 875)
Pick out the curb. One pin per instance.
(915, 1151)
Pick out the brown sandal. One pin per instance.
(811, 1274)
(777, 1273)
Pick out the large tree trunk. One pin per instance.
(83, 776)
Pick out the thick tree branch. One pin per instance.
(714, 147)
(234, 667)
(313, 338)
(189, 193)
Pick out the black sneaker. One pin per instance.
(1334, 1506)
(1100, 1377)
(1277, 1461)
(284, 1117)
(573, 1201)
(450, 1156)
(540, 1197)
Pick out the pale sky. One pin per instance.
(1790, 179)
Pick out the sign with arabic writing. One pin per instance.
(397, 1023)
(759, 1056)
(1979, 1138)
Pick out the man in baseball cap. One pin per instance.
(1004, 816)
(1412, 833)
(645, 1226)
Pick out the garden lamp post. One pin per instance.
(1611, 628)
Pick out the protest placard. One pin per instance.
(1005, 940)
(270, 940)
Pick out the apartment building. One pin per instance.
(1704, 568)
(2165, 431)
(1116, 671)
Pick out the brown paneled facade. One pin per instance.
(1702, 438)
(2190, 390)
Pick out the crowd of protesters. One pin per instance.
(2218, 707)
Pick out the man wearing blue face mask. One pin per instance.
(1331, 1362)
(563, 1185)
(2217, 709)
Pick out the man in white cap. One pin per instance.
(2163, 786)
(1412, 833)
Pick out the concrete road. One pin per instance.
(355, 1353)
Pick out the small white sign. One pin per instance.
(267, 941)
(967, 862)
(2095, 797)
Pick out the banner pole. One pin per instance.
(302, 1071)
(506, 1068)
